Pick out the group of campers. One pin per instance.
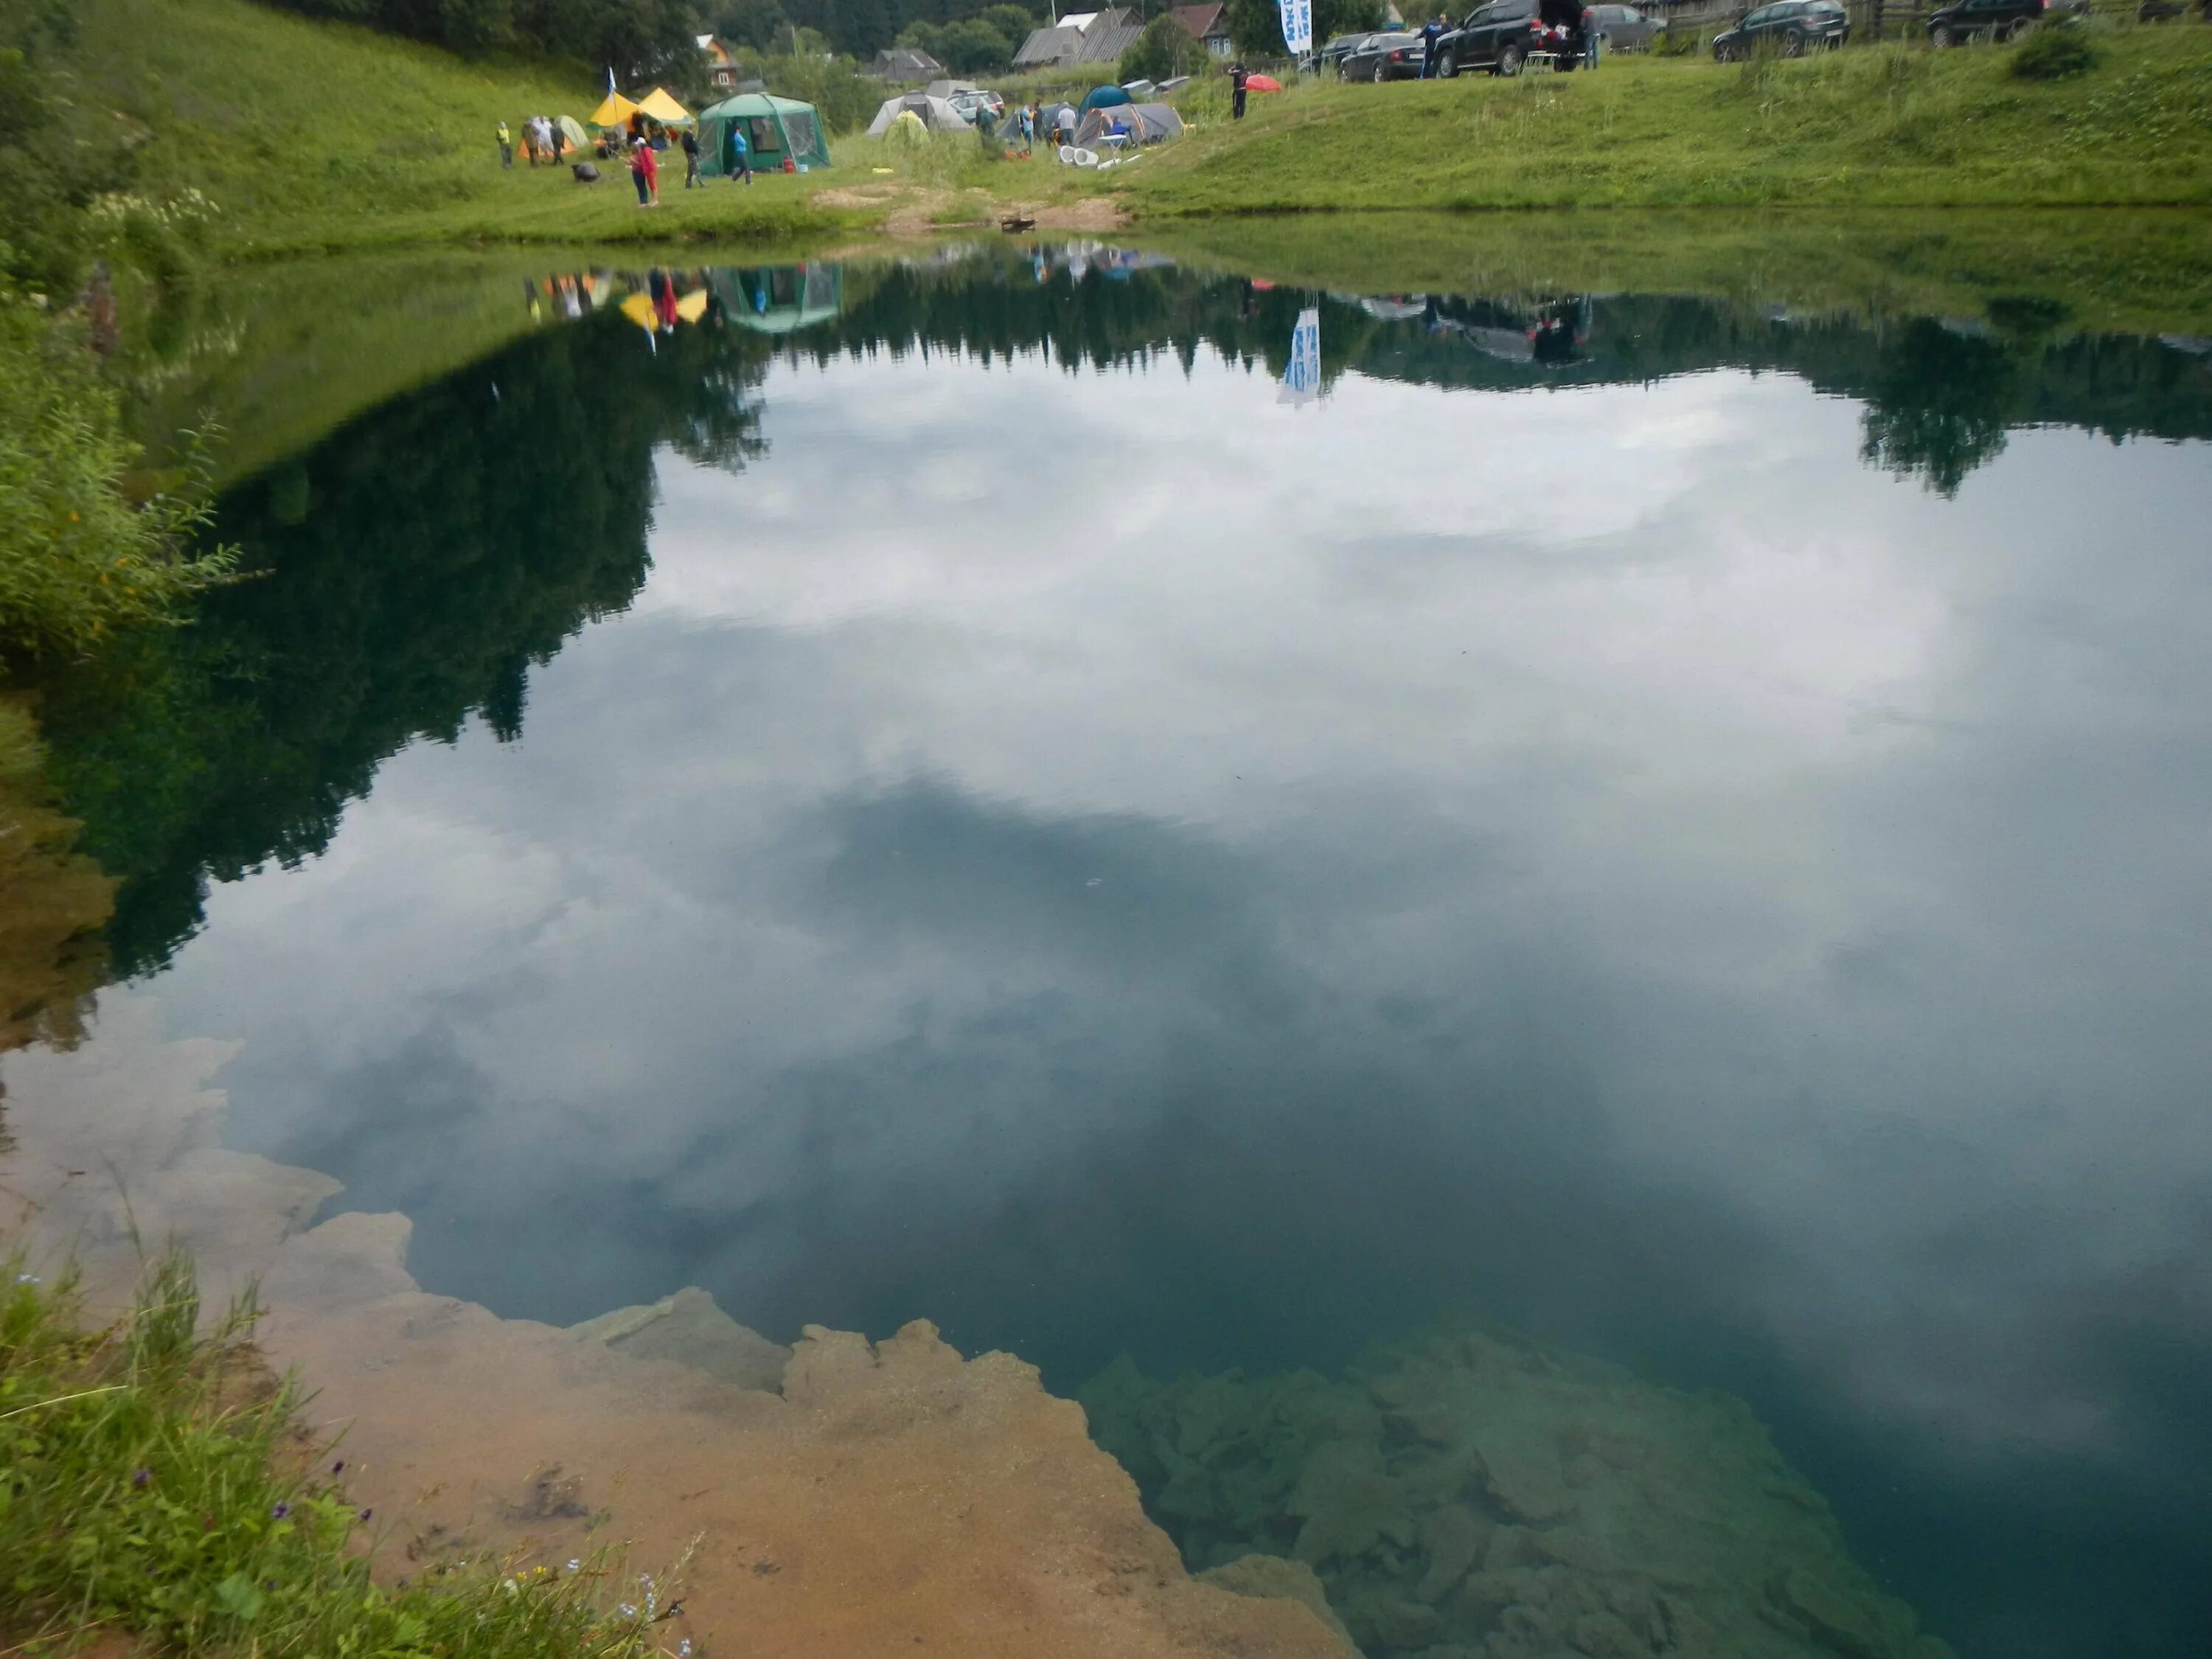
(732, 139)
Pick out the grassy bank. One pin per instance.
(310, 136)
(313, 135)
(1896, 125)
(157, 1489)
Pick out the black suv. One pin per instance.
(1794, 26)
(1963, 19)
(1500, 36)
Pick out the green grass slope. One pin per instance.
(316, 136)
(1898, 125)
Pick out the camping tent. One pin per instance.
(663, 109)
(1148, 123)
(779, 299)
(613, 113)
(571, 133)
(774, 128)
(1105, 97)
(932, 113)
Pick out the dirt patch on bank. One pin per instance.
(913, 211)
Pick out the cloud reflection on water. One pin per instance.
(1691, 896)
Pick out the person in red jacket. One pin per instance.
(645, 172)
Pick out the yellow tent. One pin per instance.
(613, 113)
(664, 109)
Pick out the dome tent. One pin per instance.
(934, 113)
(1148, 123)
(1106, 97)
(774, 128)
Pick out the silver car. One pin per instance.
(1624, 28)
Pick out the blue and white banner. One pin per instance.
(1301, 381)
(1298, 26)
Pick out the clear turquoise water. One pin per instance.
(1686, 840)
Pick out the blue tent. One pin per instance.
(1105, 98)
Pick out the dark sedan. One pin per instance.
(1963, 21)
(1386, 56)
(1793, 27)
(1339, 47)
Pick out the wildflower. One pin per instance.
(575, 1565)
(627, 1611)
(27, 1278)
(365, 1514)
(280, 1512)
(140, 1477)
(683, 1649)
(338, 1467)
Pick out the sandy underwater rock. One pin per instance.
(843, 1499)
(1472, 1496)
(689, 1328)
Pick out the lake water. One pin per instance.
(1131, 811)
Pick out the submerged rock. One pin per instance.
(689, 1328)
(1472, 1496)
(1272, 1576)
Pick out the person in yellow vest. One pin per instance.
(505, 148)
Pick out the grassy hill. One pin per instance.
(310, 136)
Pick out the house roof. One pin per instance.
(904, 63)
(1203, 21)
(1110, 35)
(1056, 45)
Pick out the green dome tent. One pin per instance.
(774, 128)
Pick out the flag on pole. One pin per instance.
(1301, 381)
(1298, 26)
(610, 80)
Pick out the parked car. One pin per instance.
(1338, 47)
(1500, 36)
(965, 104)
(1794, 27)
(1963, 21)
(1624, 28)
(1392, 55)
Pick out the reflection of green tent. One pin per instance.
(779, 299)
(774, 128)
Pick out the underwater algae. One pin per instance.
(1471, 1496)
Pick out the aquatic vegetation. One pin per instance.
(1471, 1495)
(151, 1486)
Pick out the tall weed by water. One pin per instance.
(77, 560)
(153, 1483)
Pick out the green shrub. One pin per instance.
(78, 561)
(1678, 43)
(2055, 52)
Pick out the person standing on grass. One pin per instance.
(1237, 74)
(1067, 123)
(736, 154)
(645, 173)
(1590, 39)
(1431, 32)
(690, 158)
(505, 148)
